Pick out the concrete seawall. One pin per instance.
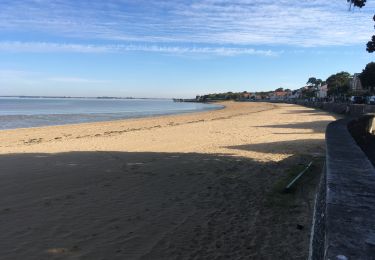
(344, 222)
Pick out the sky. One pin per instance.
(172, 48)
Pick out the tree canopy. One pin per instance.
(357, 3)
(368, 77)
(370, 47)
(314, 82)
(338, 84)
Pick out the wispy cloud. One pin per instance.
(76, 80)
(238, 22)
(122, 48)
(17, 46)
(33, 77)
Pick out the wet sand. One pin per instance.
(192, 186)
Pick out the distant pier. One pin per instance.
(187, 100)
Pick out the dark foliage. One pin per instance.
(368, 77)
(357, 3)
(338, 84)
(314, 82)
(371, 44)
(370, 47)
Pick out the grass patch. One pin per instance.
(279, 197)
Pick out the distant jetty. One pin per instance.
(187, 100)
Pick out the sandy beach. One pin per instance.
(191, 186)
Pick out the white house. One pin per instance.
(322, 91)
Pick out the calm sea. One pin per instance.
(32, 112)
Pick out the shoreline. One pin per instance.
(34, 135)
(182, 112)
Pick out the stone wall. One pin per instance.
(344, 223)
(317, 240)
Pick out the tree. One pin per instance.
(357, 3)
(308, 93)
(314, 82)
(311, 81)
(370, 47)
(279, 90)
(367, 77)
(338, 84)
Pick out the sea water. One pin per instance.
(34, 112)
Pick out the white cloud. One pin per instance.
(121, 48)
(17, 46)
(238, 22)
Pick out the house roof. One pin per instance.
(280, 93)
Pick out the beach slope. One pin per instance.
(174, 187)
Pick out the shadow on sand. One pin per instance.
(312, 112)
(313, 147)
(315, 126)
(307, 111)
(123, 205)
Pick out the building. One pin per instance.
(245, 95)
(355, 84)
(278, 95)
(296, 94)
(322, 91)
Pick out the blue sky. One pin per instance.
(166, 48)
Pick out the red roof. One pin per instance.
(280, 93)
